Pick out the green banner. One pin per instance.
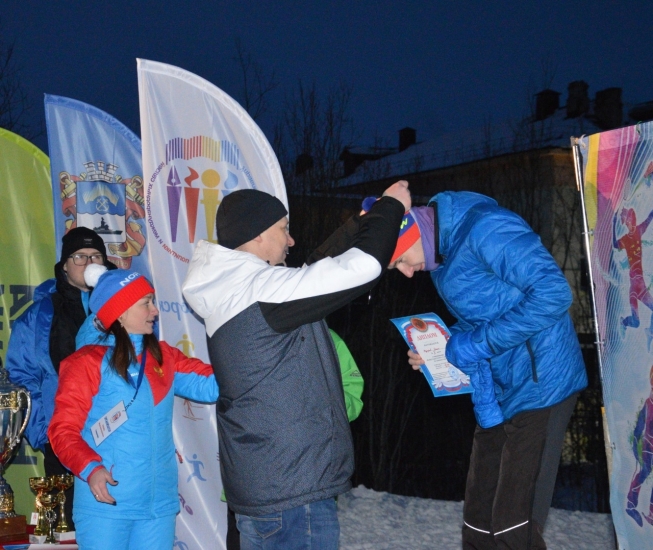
(28, 257)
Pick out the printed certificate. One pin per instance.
(427, 335)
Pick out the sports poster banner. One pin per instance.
(198, 146)
(27, 245)
(618, 173)
(97, 179)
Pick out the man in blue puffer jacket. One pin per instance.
(515, 339)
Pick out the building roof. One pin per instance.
(474, 144)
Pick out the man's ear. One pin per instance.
(251, 246)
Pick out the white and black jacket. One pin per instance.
(284, 436)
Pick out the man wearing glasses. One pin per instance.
(45, 334)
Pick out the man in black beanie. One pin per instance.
(285, 445)
(45, 334)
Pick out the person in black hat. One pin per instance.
(286, 448)
(45, 334)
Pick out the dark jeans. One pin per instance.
(511, 479)
(312, 526)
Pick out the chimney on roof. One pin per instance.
(407, 137)
(578, 102)
(608, 108)
(547, 103)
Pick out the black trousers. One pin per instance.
(511, 479)
(54, 468)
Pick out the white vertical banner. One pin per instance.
(198, 146)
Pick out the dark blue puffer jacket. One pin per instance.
(505, 288)
(29, 364)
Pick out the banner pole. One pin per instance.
(587, 232)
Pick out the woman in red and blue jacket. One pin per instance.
(112, 423)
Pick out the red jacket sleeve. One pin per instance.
(79, 382)
(186, 364)
(193, 378)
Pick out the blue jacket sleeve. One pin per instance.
(486, 408)
(193, 379)
(28, 342)
(515, 254)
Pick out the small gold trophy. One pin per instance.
(62, 482)
(49, 503)
(41, 486)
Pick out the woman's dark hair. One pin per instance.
(124, 353)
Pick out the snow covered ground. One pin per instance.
(381, 521)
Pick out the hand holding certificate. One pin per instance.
(427, 335)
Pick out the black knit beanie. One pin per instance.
(245, 214)
(81, 237)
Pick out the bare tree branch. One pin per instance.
(15, 103)
(257, 84)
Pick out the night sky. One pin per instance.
(433, 65)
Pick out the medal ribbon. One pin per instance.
(140, 378)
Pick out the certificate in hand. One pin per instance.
(427, 335)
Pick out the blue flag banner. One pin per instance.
(97, 179)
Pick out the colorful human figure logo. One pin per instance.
(197, 150)
(188, 410)
(642, 441)
(186, 346)
(197, 465)
(639, 291)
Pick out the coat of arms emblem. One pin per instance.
(111, 205)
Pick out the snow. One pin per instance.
(371, 520)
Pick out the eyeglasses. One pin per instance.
(82, 259)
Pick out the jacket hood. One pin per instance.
(45, 288)
(89, 334)
(452, 208)
(209, 287)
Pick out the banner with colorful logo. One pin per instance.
(97, 179)
(618, 173)
(27, 248)
(198, 146)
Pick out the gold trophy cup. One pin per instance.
(62, 482)
(41, 486)
(48, 504)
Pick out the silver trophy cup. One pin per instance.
(15, 408)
